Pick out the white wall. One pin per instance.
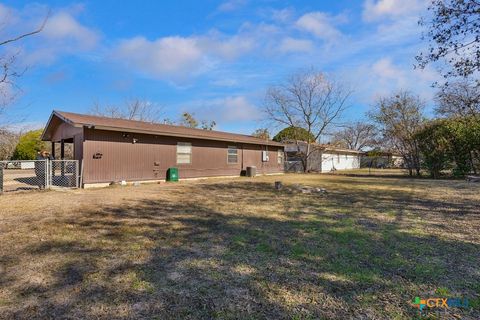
(339, 161)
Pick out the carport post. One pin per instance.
(53, 149)
(53, 154)
(62, 149)
(62, 156)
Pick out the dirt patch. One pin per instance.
(240, 249)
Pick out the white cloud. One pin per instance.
(224, 82)
(385, 70)
(62, 34)
(295, 45)
(384, 76)
(404, 76)
(180, 58)
(224, 110)
(8, 16)
(169, 56)
(24, 126)
(321, 25)
(226, 47)
(231, 5)
(282, 15)
(238, 109)
(379, 9)
(63, 26)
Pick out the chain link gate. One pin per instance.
(63, 173)
(38, 174)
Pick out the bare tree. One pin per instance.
(208, 125)
(8, 142)
(356, 136)
(453, 31)
(133, 109)
(460, 98)
(142, 110)
(188, 120)
(261, 133)
(400, 116)
(9, 72)
(308, 100)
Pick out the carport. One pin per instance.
(60, 130)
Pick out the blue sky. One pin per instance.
(212, 58)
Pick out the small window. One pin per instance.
(232, 154)
(280, 156)
(265, 157)
(184, 153)
(338, 157)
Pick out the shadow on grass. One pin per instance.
(203, 262)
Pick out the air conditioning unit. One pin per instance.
(265, 156)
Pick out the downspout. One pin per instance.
(267, 160)
(242, 161)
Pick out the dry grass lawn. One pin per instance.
(238, 249)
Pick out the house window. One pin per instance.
(338, 157)
(265, 157)
(280, 156)
(232, 154)
(184, 153)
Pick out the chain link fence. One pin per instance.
(63, 173)
(293, 166)
(38, 174)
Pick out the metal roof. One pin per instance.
(115, 124)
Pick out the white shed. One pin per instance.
(27, 165)
(339, 159)
(324, 158)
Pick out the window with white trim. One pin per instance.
(184, 153)
(280, 156)
(232, 154)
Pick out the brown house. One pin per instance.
(112, 150)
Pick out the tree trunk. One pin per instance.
(307, 153)
(408, 163)
(472, 163)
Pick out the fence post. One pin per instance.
(1, 179)
(77, 171)
(80, 185)
(47, 174)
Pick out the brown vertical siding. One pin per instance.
(124, 160)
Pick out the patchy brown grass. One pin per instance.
(238, 249)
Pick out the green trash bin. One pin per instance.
(172, 174)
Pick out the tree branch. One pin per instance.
(42, 26)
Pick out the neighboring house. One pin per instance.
(381, 159)
(323, 158)
(113, 150)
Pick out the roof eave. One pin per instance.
(61, 117)
(42, 137)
